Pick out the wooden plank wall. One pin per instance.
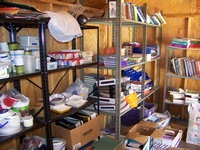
(177, 26)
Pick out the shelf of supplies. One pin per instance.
(169, 100)
(124, 22)
(56, 116)
(112, 113)
(179, 48)
(22, 23)
(14, 76)
(128, 66)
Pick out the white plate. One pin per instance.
(76, 104)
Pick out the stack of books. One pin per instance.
(110, 61)
(90, 81)
(192, 96)
(180, 96)
(177, 95)
(195, 43)
(180, 42)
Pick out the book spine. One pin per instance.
(160, 17)
(178, 45)
(178, 42)
(128, 11)
(194, 46)
(181, 40)
(135, 12)
(186, 69)
(177, 66)
(197, 67)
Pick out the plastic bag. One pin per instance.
(78, 88)
(63, 26)
(132, 100)
(193, 132)
(33, 143)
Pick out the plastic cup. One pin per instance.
(29, 63)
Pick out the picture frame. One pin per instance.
(112, 9)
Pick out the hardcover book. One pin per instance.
(140, 14)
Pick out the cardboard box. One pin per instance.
(79, 136)
(180, 126)
(171, 138)
(138, 146)
(141, 131)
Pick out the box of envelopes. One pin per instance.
(79, 136)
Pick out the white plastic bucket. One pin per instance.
(59, 144)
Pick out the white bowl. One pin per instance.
(57, 99)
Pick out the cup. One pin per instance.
(28, 121)
(29, 63)
(4, 47)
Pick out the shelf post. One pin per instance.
(45, 87)
(118, 69)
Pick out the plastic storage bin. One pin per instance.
(132, 117)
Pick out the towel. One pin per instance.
(63, 26)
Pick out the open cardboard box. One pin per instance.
(171, 138)
(80, 135)
(141, 132)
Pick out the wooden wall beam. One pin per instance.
(182, 15)
(56, 2)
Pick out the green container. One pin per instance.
(28, 52)
(22, 106)
(13, 45)
(19, 69)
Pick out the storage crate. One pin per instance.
(132, 117)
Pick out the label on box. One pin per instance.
(4, 72)
(76, 146)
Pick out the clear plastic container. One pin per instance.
(29, 63)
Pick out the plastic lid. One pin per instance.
(22, 103)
